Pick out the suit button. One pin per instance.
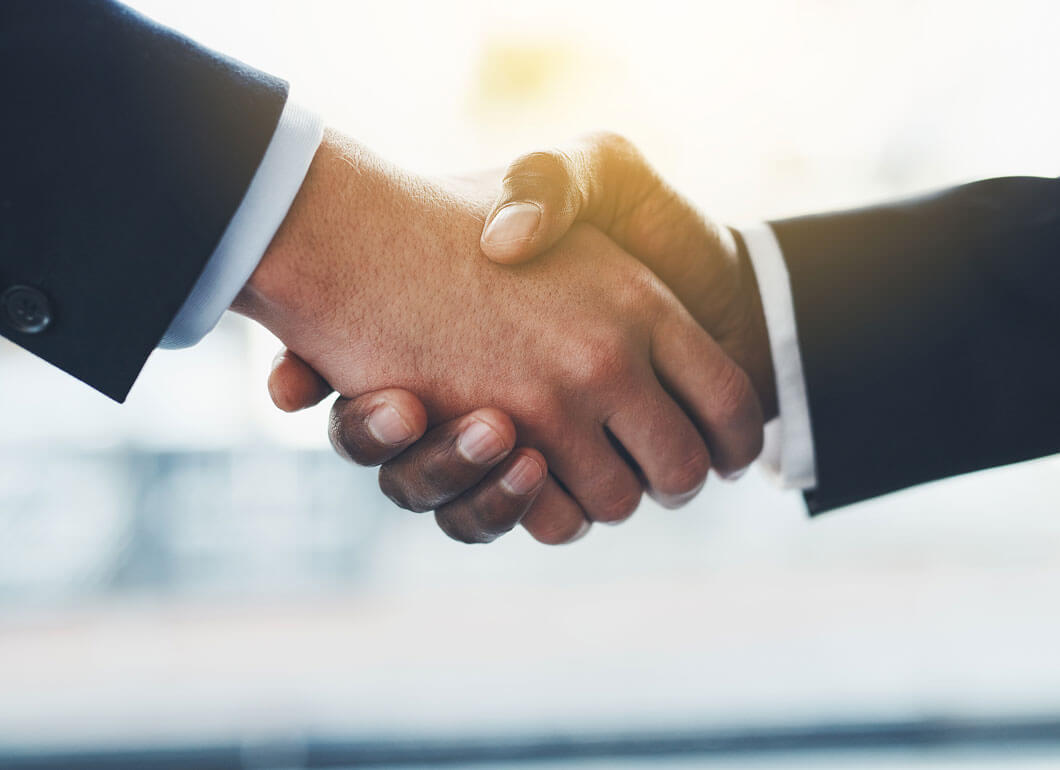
(26, 309)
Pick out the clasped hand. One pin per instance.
(597, 317)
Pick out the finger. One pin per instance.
(498, 502)
(596, 476)
(555, 518)
(664, 443)
(712, 389)
(543, 193)
(293, 384)
(540, 199)
(376, 427)
(448, 461)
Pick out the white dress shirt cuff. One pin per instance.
(265, 204)
(788, 451)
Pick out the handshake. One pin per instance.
(537, 350)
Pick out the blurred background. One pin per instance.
(195, 572)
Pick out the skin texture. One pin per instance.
(603, 179)
(376, 279)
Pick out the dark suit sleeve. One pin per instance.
(930, 335)
(126, 150)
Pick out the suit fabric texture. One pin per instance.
(126, 150)
(930, 335)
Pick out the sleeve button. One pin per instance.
(26, 309)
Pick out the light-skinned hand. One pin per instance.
(582, 347)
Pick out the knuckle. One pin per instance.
(616, 507)
(494, 519)
(735, 398)
(740, 413)
(641, 295)
(599, 363)
(347, 436)
(427, 477)
(751, 449)
(544, 176)
(281, 395)
(397, 489)
(614, 143)
(459, 527)
(540, 402)
(438, 471)
(558, 530)
(616, 154)
(549, 164)
(750, 446)
(687, 476)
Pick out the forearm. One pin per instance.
(126, 161)
(929, 334)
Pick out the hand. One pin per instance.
(475, 499)
(602, 179)
(572, 346)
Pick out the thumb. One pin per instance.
(293, 384)
(540, 199)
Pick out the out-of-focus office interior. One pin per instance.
(194, 577)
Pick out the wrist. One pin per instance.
(273, 285)
(301, 264)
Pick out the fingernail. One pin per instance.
(735, 475)
(388, 426)
(523, 477)
(514, 222)
(479, 443)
